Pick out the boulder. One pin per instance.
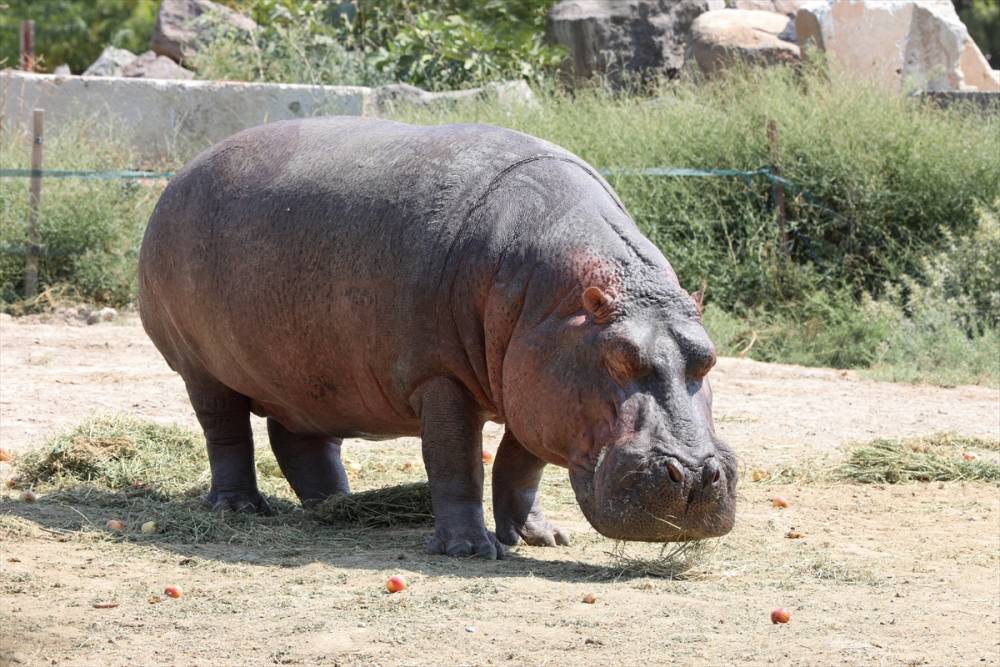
(786, 7)
(919, 44)
(183, 25)
(111, 62)
(151, 66)
(505, 94)
(633, 36)
(720, 38)
(62, 70)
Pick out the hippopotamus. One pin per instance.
(362, 278)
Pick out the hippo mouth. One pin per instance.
(659, 494)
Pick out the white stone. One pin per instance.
(152, 66)
(919, 44)
(111, 62)
(787, 7)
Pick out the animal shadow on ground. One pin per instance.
(289, 538)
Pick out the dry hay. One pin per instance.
(406, 504)
(932, 459)
(675, 560)
(116, 453)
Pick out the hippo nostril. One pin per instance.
(710, 473)
(675, 471)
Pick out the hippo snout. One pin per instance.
(660, 494)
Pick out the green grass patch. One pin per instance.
(882, 176)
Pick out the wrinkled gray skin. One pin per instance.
(359, 278)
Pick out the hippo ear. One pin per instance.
(699, 298)
(597, 302)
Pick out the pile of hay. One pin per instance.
(407, 504)
(116, 453)
(935, 459)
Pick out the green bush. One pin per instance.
(452, 44)
(457, 43)
(73, 32)
(881, 179)
(943, 328)
(90, 230)
(296, 44)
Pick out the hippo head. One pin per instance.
(613, 386)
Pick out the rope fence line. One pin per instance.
(669, 172)
(745, 175)
(87, 174)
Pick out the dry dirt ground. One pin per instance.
(882, 575)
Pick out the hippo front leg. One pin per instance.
(451, 433)
(516, 475)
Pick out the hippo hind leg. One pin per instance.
(310, 463)
(224, 416)
(516, 475)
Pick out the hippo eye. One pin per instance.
(624, 363)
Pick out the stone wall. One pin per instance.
(179, 118)
(162, 116)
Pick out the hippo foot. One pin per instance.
(535, 531)
(247, 502)
(465, 543)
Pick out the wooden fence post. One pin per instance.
(27, 61)
(34, 242)
(779, 191)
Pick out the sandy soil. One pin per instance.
(906, 574)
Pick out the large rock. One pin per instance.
(183, 25)
(111, 62)
(612, 36)
(151, 66)
(902, 43)
(720, 38)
